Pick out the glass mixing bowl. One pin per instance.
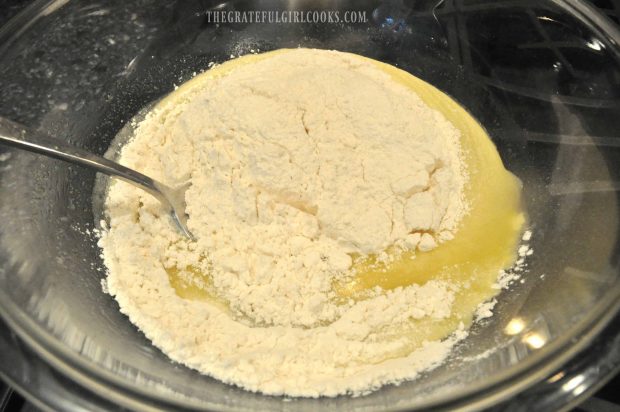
(542, 77)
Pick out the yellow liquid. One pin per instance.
(486, 240)
(188, 289)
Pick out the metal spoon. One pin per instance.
(19, 136)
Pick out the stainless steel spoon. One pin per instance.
(19, 136)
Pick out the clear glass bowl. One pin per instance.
(542, 77)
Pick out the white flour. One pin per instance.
(296, 163)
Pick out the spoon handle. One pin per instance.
(21, 137)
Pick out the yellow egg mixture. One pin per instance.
(485, 242)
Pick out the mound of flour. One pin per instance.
(297, 162)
